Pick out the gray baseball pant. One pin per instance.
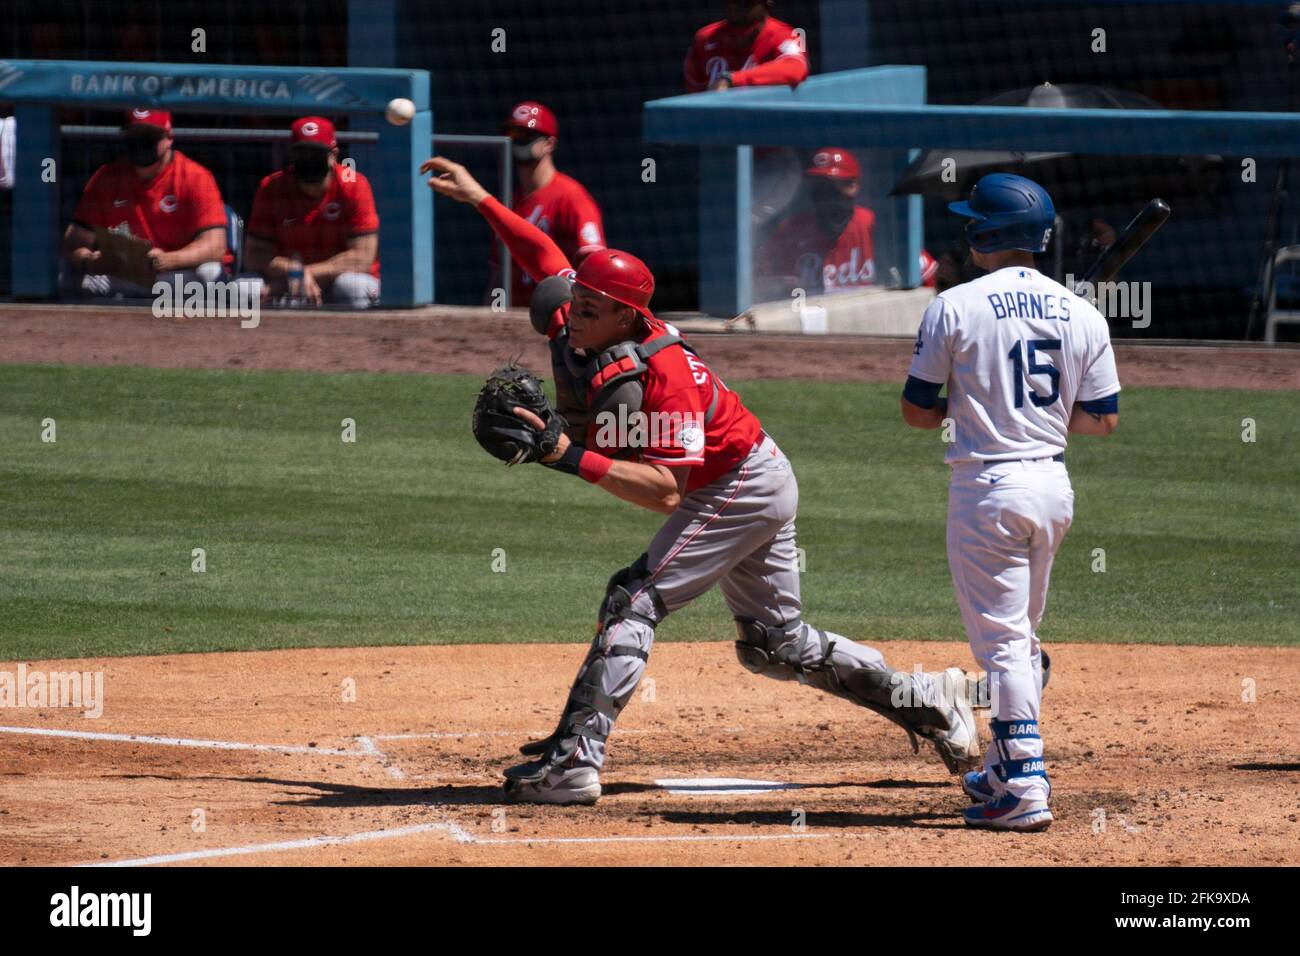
(738, 533)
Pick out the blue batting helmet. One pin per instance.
(1007, 212)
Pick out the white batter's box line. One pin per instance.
(367, 745)
(668, 838)
(182, 742)
(458, 735)
(452, 829)
(281, 846)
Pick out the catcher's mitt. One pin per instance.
(501, 432)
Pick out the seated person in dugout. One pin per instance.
(828, 247)
(322, 213)
(154, 193)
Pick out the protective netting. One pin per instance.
(596, 65)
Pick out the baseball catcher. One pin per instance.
(660, 430)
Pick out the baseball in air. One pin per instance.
(400, 111)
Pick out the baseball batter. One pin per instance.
(1027, 363)
(729, 494)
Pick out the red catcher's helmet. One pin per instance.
(534, 117)
(620, 276)
(833, 163)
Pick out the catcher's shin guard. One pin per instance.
(946, 718)
(629, 612)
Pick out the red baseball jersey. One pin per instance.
(314, 227)
(678, 390)
(677, 384)
(800, 247)
(565, 211)
(168, 210)
(771, 56)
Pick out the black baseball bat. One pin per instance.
(1127, 243)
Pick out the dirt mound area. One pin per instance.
(473, 341)
(393, 756)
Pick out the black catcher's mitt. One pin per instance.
(501, 432)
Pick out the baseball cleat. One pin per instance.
(958, 746)
(1009, 812)
(976, 785)
(530, 783)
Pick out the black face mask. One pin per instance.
(310, 166)
(523, 152)
(834, 209)
(142, 151)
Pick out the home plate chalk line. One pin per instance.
(458, 833)
(368, 749)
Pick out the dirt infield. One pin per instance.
(473, 341)
(1158, 755)
(1155, 758)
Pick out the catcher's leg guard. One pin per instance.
(943, 715)
(615, 662)
(936, 707)
(896, 696)
(787, 652)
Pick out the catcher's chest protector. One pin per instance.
(614, 377)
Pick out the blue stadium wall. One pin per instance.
(596, 63)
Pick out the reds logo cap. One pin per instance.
(315, 131)
(160, 119)
(833, 163)
(534, 117)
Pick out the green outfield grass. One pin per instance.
(313, 542)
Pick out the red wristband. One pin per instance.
(594, 466)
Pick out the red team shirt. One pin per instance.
(680, 387)
(677, 383)
(800, 247)
(315, 228)
(169, 210)
(776, 56)
(565, 211)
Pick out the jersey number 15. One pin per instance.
(1035, 368)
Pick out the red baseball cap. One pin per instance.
(833, 163)
(146, 117)
(315, 131)
(534, 117)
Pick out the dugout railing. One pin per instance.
(883, 109)
(41, 88)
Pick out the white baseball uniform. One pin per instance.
(1017, 350)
